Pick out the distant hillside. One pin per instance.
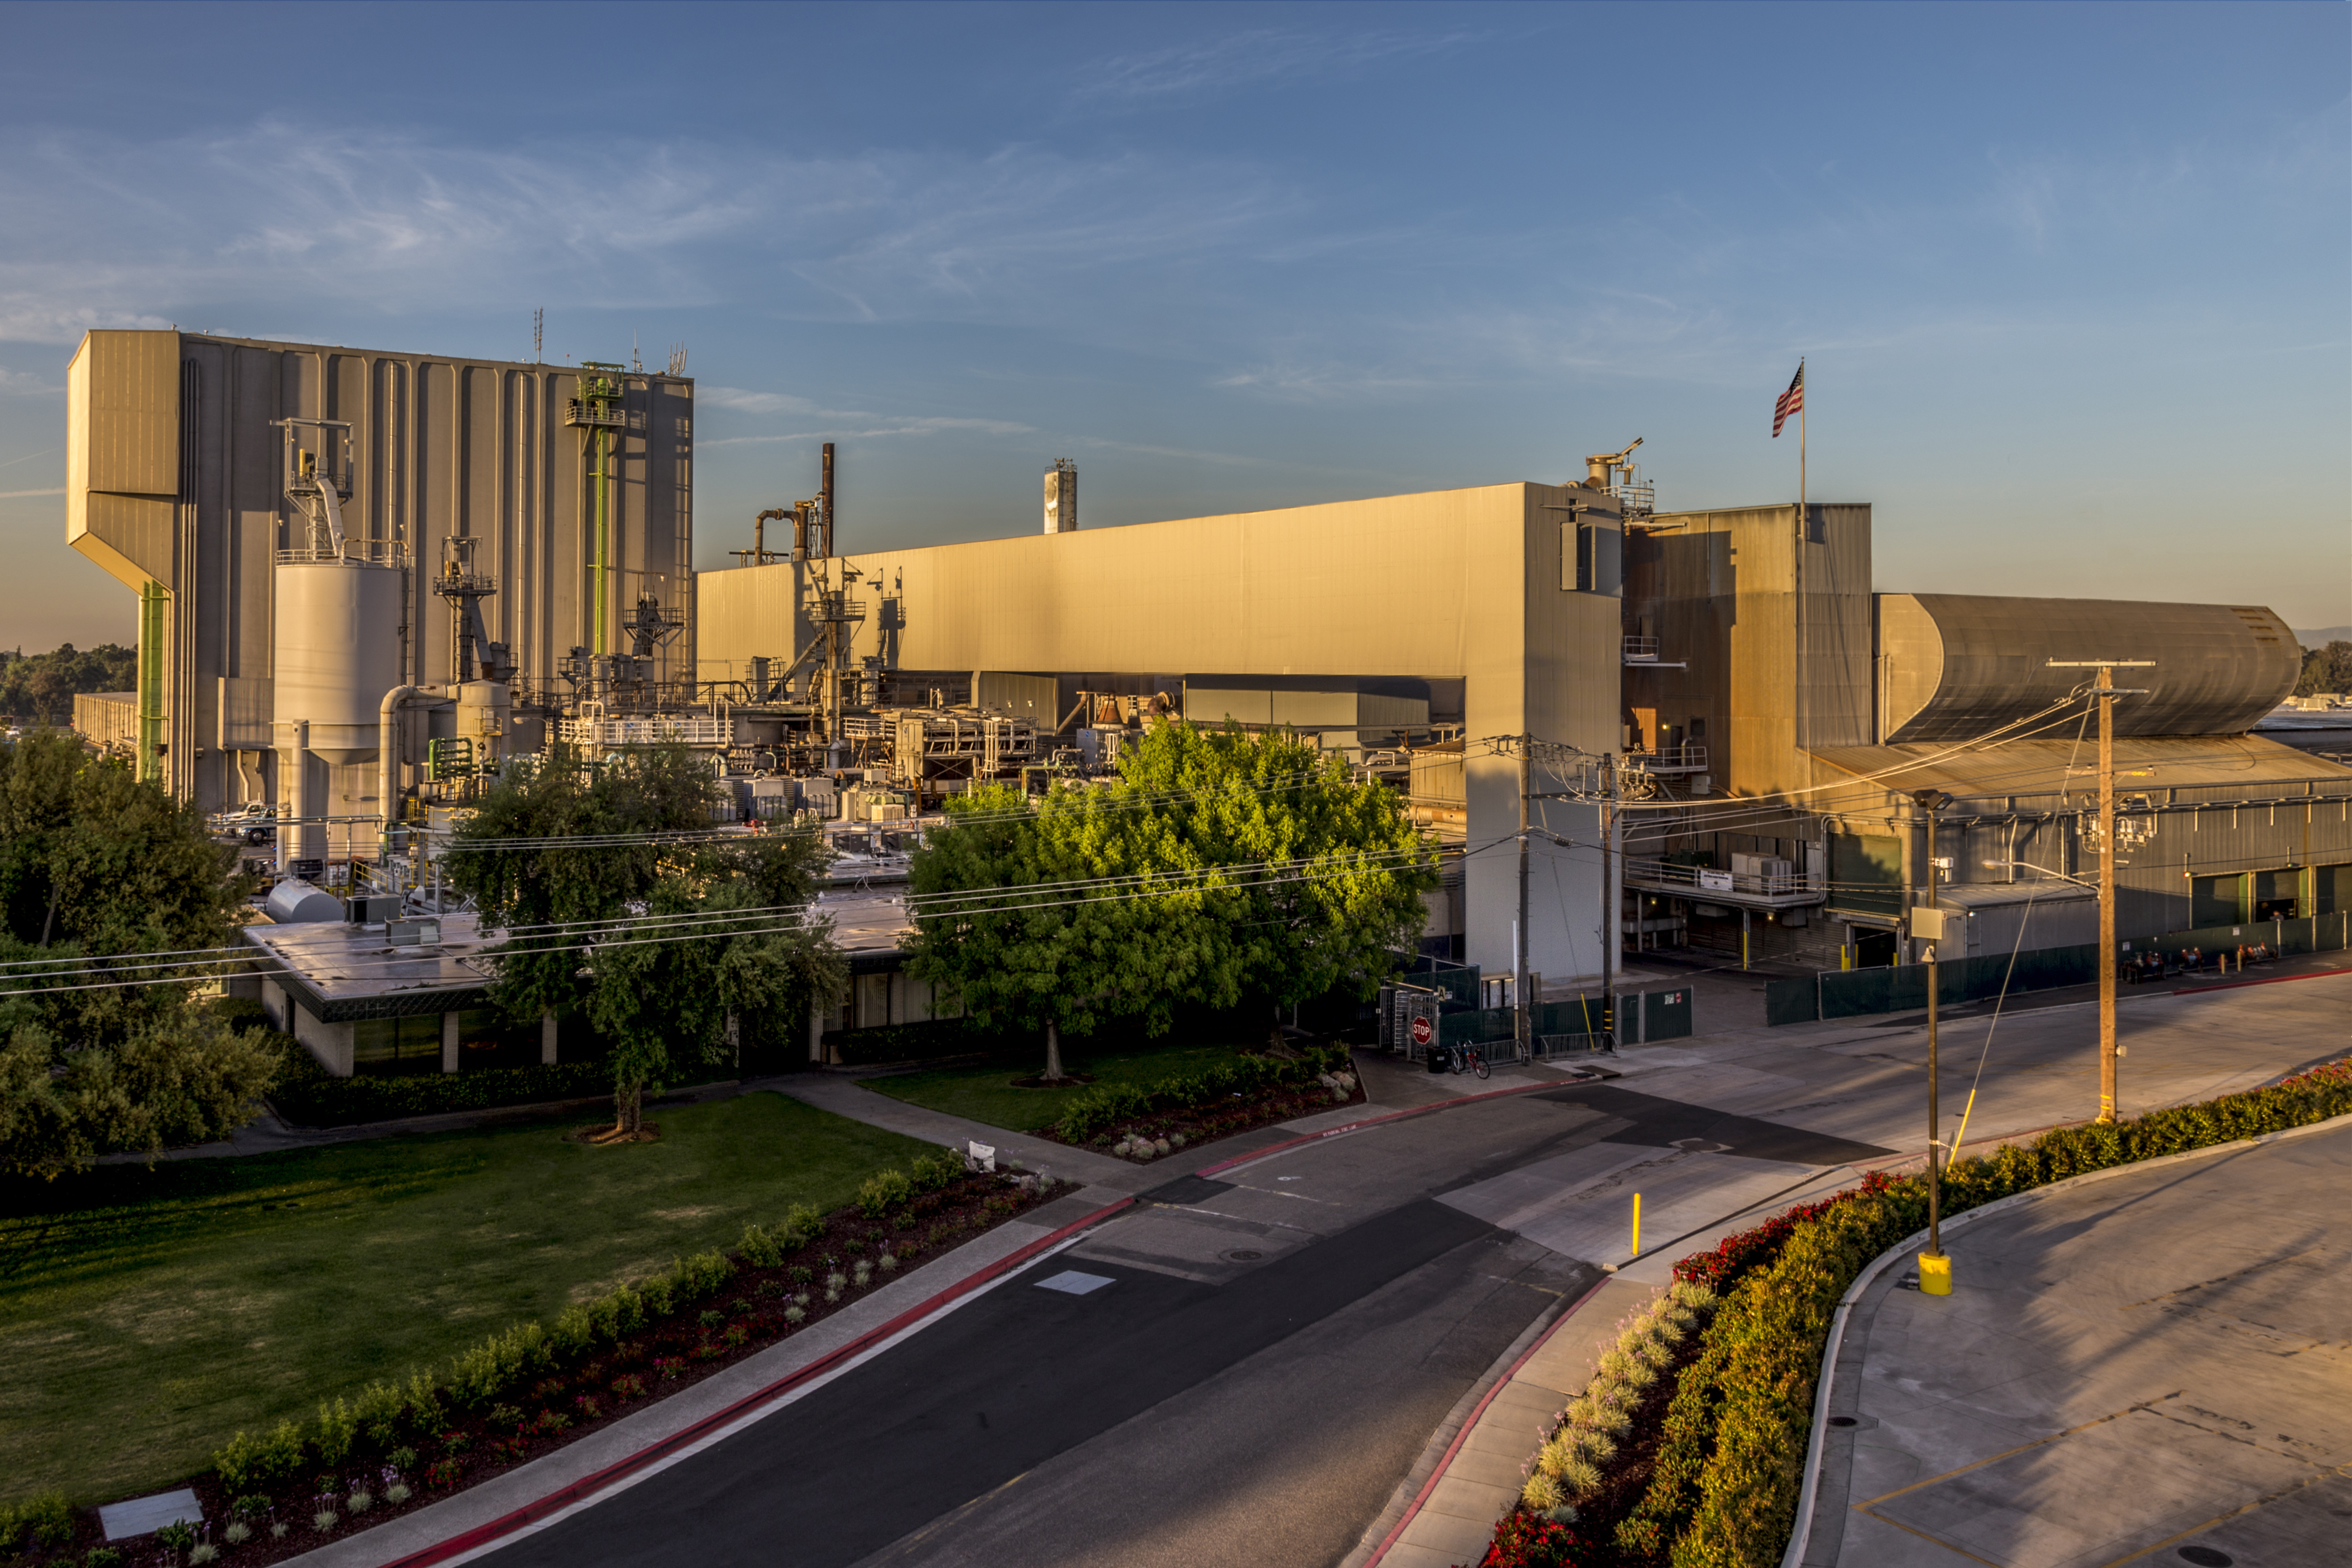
(2325, 636)
(38, 688)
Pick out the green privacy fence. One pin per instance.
(1641, 1016)
(1853, 993)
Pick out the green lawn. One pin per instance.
(150, 1314)
(987, 1093)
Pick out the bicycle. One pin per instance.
(1468, 1058)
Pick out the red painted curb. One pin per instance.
(1445, 1460)
(597, 1481)
(2266, 980)
(1307, 1138)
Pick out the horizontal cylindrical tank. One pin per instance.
(295, 902)
(337, 651)
(1957, 665)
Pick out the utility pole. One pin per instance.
(2105, 694)
(1520, 959)
(1612, 901)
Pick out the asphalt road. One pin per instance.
(1275, 1347)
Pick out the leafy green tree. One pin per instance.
(1327, 874)
(1013, 918)
(39, 688)
(174, 1079)
(2325, 668)
(667, 1005)
(561, 854)
(1219, 866)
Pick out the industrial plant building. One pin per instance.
(366, 579)
(309, 528)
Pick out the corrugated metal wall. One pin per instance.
(441, 446)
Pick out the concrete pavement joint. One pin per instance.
(1808, 1496)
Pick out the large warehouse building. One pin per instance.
(1490, 611)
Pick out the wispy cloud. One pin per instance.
(102, 234)
(925, 427)
(1259, 54)
(20, 495)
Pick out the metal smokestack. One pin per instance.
(825, 500)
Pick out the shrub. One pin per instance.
(701, 1275)
(49, 1517)
(497, 1365)
(884, 1191)
(108, 1557)
(201, 1553)
(338, 1427)
(308, 1095)
(759, 1250)
(1722, 1488)
(935, 1170)
(803, 1224)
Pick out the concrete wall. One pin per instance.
(173, 476)
(1450, 585)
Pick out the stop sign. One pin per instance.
(1420, 1031)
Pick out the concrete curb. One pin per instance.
(1500, 1381)
(1808, 1498)
(713, 1423)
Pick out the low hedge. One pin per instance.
(385, 1414)
(309, 1095)
(1100, 1110)
(1729, 1469)
(909, 1042)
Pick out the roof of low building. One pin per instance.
(2202, 769)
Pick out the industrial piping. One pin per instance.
(388, 751)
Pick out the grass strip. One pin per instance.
(147, 1313)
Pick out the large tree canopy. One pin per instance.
(40, 687)
(94, 865)
(1219, 866)
(619, 906)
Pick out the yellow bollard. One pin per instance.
(1637, 1225)
(1935, 1274)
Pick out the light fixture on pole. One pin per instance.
(1928, 925)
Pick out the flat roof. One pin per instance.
(343, 972)
(2215, 769)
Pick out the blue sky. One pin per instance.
(2074, 282)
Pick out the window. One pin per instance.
(1592, 558)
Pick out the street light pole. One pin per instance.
(1934, 1267)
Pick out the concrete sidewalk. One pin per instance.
(2155, 1362)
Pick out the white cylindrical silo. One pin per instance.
(337, 651)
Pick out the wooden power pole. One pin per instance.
(2105, 694)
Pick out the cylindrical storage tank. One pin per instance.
(485, 712)
(1957, 665)
(337, 651)
(295, 902)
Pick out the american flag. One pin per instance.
(1788, 402)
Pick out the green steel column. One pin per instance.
(151, 681)
(603, 481)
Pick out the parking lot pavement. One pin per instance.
(2154, 1365)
